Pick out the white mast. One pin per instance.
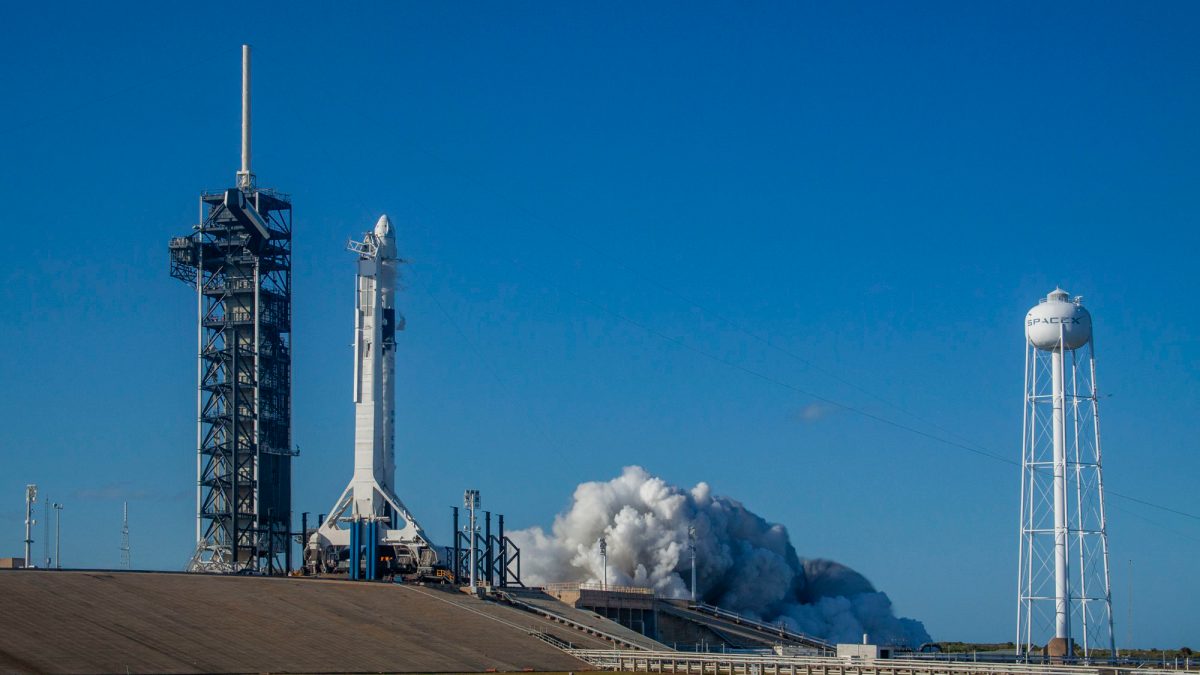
(245, 178)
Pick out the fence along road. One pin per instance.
(747, 664)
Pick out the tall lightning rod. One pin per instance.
(245, 177)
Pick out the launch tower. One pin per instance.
(238, 258)
(1064, 598)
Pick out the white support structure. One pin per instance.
(1064, 597)
(369, 523)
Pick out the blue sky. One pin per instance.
(878, 190)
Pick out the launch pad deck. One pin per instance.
(99, 621)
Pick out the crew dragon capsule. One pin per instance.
(369, 533)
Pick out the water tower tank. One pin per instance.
(1058, 318)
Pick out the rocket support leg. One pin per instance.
(355, 551)
(372, 550)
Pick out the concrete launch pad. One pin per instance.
(107, 622)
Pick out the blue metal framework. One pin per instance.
(499, 559)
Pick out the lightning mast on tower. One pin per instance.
(1064, 598)
(238, 258)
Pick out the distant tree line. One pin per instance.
(1147, 653)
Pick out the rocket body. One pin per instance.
(369, 530)
(375, 369)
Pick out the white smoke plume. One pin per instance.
(744, 564)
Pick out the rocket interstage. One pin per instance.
(369, 532)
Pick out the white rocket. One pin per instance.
(369, 531)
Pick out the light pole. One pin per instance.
(46, 532)
(692, 550)
(57, 535)
(471, 501)
(125, 537)
(1129, 619)
(30, 498)
(604, 563)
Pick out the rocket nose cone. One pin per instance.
(383, 228)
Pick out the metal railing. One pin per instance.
(552, 641)
(779, 630)
(592, 586)
(582, 627)
(750, 664)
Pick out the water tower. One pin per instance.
(1064, 600)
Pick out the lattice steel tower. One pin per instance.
(239, 261)
(1064, 598)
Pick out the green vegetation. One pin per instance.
(1152, 653)
(967, 647)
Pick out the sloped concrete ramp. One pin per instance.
(138, 622)
(544, 602)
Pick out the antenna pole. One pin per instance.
(245, 177)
